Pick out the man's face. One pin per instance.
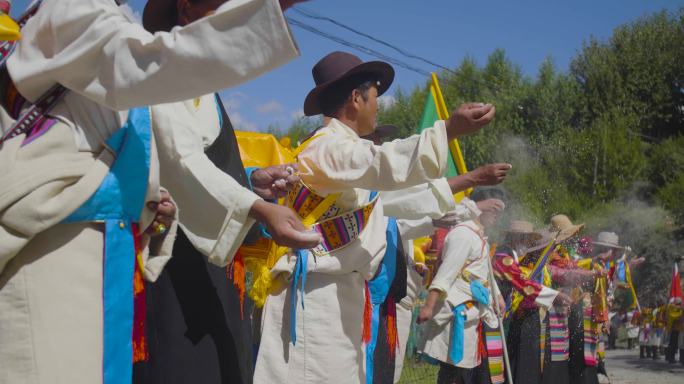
(489, 217)
(367, 111)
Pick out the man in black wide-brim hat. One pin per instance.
(318, 317)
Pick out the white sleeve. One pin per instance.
(546, 297)
(433, 199)
(91, 48)
(457, 247)
(337, 162)
(213, 207)
(413, 229)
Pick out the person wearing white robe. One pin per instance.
(329, 328)
(50, 281)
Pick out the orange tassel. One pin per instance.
(481, 347)
(236, 272)
(140, 350)
(392, 334)
(367, 317)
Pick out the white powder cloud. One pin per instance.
(271, 108)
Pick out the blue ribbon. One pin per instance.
(299, 274)
(621, 271)
(379, 287)
(118, 202)
(479, 292)
(457, 338)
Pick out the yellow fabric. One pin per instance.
(264, 150)
(9, 30)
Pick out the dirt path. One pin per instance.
(625, 367)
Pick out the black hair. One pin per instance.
(484, 193)
(334, 97)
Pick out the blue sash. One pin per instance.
(379, 287)
(118, 203)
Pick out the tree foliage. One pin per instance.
(602, 143)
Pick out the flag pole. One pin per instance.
(443, 113)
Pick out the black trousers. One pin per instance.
(672, 347)
(580, 373)
(523, 347)
(449, 374)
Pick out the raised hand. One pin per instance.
(273, 182)
(490, 174)
(285, 4)
(284, 225)
(469, 118)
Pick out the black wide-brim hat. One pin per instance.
(159, 15)
(339, 68)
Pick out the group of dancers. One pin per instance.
(126, 214)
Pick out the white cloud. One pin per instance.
(272, 107)
(234, 101)
(131, 13)
(386, 101)
(297, 114)
(241, 124)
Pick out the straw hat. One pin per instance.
(523, 228)
(608, 239)
(562, 225)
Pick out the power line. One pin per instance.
(312, 15)
(358, 47)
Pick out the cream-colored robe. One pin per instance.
(51, 284)
(329, 347)
(410, 230)
(463, 249)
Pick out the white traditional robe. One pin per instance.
(410, 230)
(51, 284)
(329, 348)
(463, 249)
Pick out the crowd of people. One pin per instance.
(126, 215)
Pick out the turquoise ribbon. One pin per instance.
(299, 275)
(457, 338)
(379, 287)
(479, 292)
(118, 202)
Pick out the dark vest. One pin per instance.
(195, 333)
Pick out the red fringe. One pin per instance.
(392, 334)
(481, 346)
(140, 350)
(236, 273)
(367, 317)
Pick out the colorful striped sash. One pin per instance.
(337, 230)
(590, 335)
(559, 335)
(495, 355)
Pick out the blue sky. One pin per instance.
(443, 31)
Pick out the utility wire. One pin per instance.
(314, 16)
(358, 47)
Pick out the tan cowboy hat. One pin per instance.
(159, 15)
(608, 239)
(562, 225)
(522, 228)
(339, 69)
